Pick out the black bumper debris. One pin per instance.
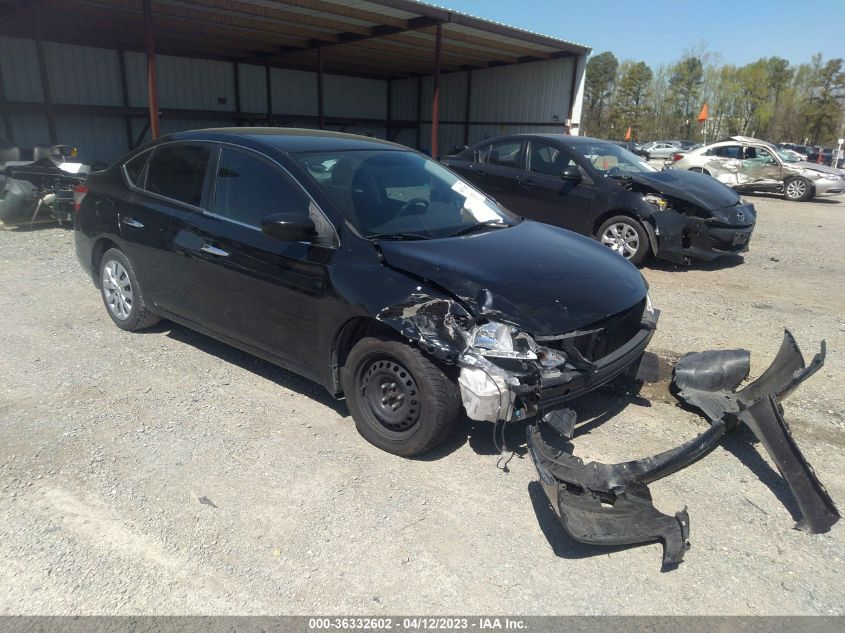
(610, 504)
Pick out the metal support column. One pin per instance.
(468, 104)
(7, 120)
(320, 111)
(419, 112)
(236, 80)
(152, 87)
(268, 83)
(45, 79)
(435, 101)
(124, 86)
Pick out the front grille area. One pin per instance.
(612, 334)
(727, 245)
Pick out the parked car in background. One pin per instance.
(749, 164)
(599, 189)
(661, 149)
(366, 267)
(634, 148)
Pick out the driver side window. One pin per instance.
(547, 159)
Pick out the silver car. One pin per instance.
(749, 164)
(661, 149)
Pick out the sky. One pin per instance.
(659, 31)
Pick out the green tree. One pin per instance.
(598, 86)
(630, 101)
(685, 91)
(822, 109)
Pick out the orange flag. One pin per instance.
(628, 134)
(702, 116)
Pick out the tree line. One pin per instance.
(769, 99)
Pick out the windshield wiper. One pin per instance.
(492, 224)
(397, 236)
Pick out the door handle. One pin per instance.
(478, 172)
(129, 221)
(213, 250)
(526, 184)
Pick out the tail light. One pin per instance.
(676, 157)
(79, 192)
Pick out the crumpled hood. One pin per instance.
(541, 278)
(699, 189)
(822, 169)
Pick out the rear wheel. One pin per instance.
(798, 189)
(401, 401)
(624, 235)
(122, 295)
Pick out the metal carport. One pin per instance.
(106, 74)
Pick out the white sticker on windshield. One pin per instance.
(476, 203)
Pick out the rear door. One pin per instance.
(546, 196)
(255, 289)
(166, 192)
(496, 171)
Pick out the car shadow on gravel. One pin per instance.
(262, 368)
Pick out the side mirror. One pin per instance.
(289, 227)
(571, 172)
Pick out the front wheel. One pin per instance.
(401, 401)
(798, 189)
(624, 235)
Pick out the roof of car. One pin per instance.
(288, 139)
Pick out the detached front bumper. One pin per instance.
(609, 504)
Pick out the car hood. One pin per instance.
(701, 190)
(823, 169)
(543, 279)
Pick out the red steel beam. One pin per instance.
(152, 87)
(435, 102)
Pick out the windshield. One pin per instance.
(611, 160)
(789, 156)
(393, 193)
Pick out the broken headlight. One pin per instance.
(498, 340)
(650, 315)
(658, 201)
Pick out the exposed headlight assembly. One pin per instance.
(658, 201)
(497, 340)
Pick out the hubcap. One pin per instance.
(117, 289)
(621, 238)
(796, 189)
(391, 394)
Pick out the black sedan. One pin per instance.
(601, 190)
(366, 267)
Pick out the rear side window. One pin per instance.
(504, 153)
(135, 169)
(250, 188)
(178, 171)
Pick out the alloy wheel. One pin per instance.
(796, 189)
(117, 289)
(621, 238)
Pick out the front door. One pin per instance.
(546, 196)
(496, 171)
(255, 289)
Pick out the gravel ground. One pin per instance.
(166, 473)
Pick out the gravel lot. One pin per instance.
(166, 473)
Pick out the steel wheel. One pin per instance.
(622, 238)
(117, 290)
(390, 393)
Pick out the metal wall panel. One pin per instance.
(30, 130)
(354, 97)
(407, 137)
(403, 99)
(191, 84)
(535, 92)
(19, 65)
(99, 138)
(453, 94)
(253, 88)
(294, 91)
(83, 75)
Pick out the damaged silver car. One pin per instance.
(748, 164)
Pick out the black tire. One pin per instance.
(642, 245)
(797, 189)
(424, 415)
(120, 303)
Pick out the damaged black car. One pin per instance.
(599, 189)
(366, 267)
